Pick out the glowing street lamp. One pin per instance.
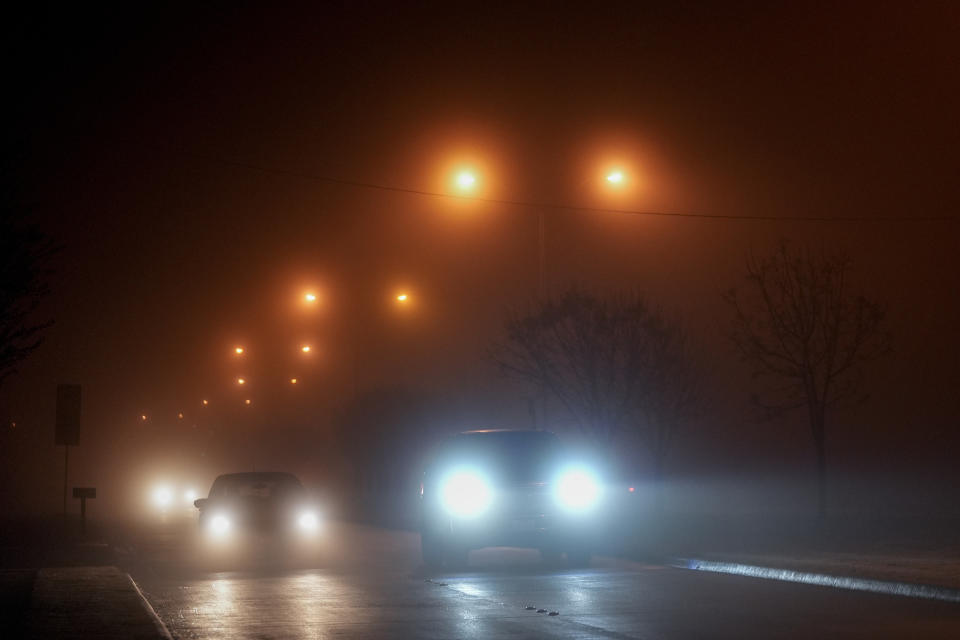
(465, 180)
(247, 402)
(241, 381)
(143, 417)
(402, 297)
(615, 177)
(180, 416)
(293, 381)
(204, 402)
(305, 348)
(310, 297)
(238, 351)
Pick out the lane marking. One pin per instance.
(888, 587)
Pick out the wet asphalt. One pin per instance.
(364, 582)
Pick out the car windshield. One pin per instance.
(515, 455)
(273, 485)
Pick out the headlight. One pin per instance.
(577, 490)
(308, 521)
(219, 525)
(162, 496)
(466, 494)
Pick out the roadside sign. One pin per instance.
(68, 415)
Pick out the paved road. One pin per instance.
(369, 583)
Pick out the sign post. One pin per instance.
(83, 493)
(67, 427)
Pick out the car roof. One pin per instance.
(259, 475)
(482, 431)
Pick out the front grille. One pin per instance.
(526, 501)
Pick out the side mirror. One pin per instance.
(200, 503)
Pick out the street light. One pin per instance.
(238, 351)
(204, 402)
(293, 381)
(247, 401)
(241, 381)
(402, 297)
(615, 177)
(465, 180)
(305, 348)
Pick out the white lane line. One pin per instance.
(907, 589)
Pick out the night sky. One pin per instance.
(203, 168)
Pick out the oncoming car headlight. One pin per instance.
(577, 490)
(219, 525)
(466, 494)
(308, 521)
(162, 497)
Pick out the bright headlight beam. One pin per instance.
(219, 525)
(577, 490)
(466, 494)
(308, 521)
(162, 496)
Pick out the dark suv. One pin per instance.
(507, 488)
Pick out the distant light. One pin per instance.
(310, 297)
(13, 425)
(247, 401)
(615, 178)
(205, 403)
(162, 496)
(293, 381)
(466, 180)
(402, 297)
(305, 348)
(143, 417)
(631, 489)
(241, 381)
(180, 415)
(238, 351)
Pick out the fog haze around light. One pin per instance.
(233, 164)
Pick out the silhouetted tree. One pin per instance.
(617, 365)
(797, 324)
(24, 256)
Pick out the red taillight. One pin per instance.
(631, 489)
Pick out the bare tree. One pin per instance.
(24, 254)
(619, 367)
(798, 325)
(674, 394)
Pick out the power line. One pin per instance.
(303, 175)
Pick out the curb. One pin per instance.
(162, 630)
(83, 603)
(887, 587)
